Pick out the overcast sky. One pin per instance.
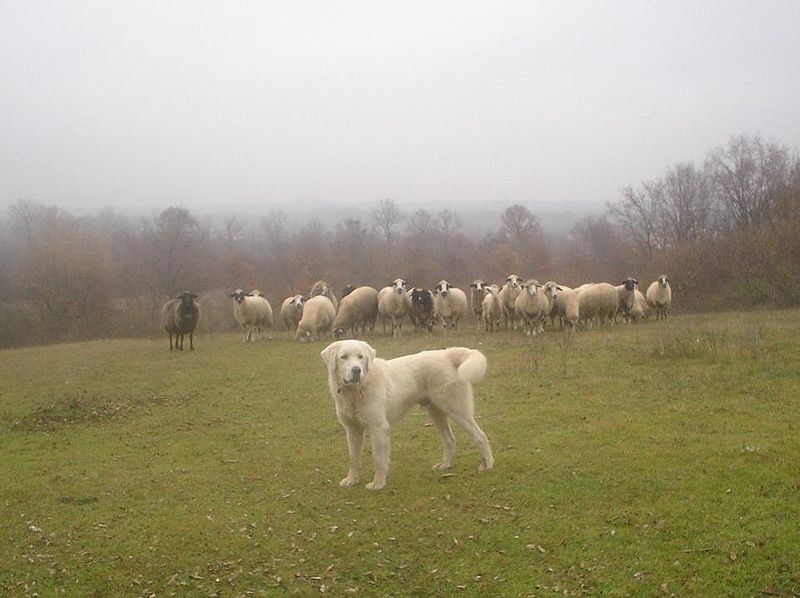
(204, 104)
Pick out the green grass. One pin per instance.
(651, 459)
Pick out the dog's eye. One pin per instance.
(361, 357)
(343, 356)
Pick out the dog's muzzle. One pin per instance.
(355, 375)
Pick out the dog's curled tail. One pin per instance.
(473, 366)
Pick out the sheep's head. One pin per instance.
(630, 284)
(239, 295)
(663, 280)
(296, 301)
(531, 286)
(443, 288)
(552, 289)
(478, 285)
(187, 298)
(513, 281)
(399, 286)
(348, 289)
(420, 296)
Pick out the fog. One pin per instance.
(253, 106)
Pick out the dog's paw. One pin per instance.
(484, 465)
(441, 466)
(375, 485)
(348, 481)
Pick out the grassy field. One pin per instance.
(655, 459)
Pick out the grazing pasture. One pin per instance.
(651, 459)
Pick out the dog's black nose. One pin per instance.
(356, 371)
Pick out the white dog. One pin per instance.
(371, 394)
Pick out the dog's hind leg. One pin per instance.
(448, 439)
(466, 420)
(355, 439)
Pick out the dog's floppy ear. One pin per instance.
(369, 352)
(328, 354)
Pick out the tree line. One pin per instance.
(727, 231)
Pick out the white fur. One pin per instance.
(659, 296)
(292, 313)
(394, 304)
(371, 394)
(508, 297)
(317, 320)
(449, 304)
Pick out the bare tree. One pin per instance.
(448, 223)
(749, 176)
(638, 216)
(684, 203)
(386, 216)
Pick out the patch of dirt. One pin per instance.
(87, 408)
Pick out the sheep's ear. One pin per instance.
(328, 355)
(232, 295)
(194, 296)
(558, 288)
(635, 281)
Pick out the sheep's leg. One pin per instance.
(191, 341)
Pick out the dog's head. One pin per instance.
(348, 361)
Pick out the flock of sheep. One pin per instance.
(527, 304)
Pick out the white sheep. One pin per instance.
(532, 306)
(292, 312)
(477, 292)
(597, 302)
(640, 307)
(358, 310)
(491, 308)
(252, 312)
(626, 296)
(317, 320)
(323, 288)
(565, 304)
(508, 297)
(449, 304)
(394, 304)
(659, 296)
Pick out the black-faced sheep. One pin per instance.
(626, 296)
(422, 308)
(252, 312)
(179, 317)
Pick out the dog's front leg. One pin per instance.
(380, 455)
(355, 439)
